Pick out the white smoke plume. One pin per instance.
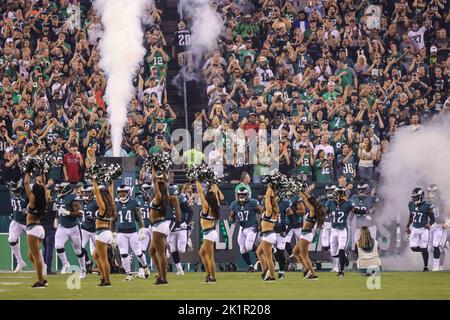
(413, 159)
(206, 26)
(121, 51)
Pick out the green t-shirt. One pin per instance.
(330, 95)
(322, 174)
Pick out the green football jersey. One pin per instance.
(245, 212)
(126, 218)
(66, 202)
(420, 213)
(90, 209)
(339, 213)
(18, 203)
(322, 174)
(145, 210)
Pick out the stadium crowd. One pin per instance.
(336, 78)
(52, 89)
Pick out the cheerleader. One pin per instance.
(209, 215)
(37, 202)
(268, 235)
(315, 217)
(103, 235)
(160, 218)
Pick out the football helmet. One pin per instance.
(242, 194)
(340, 194)
(123, 193)
(16, 187)
(363, 189)
(64, 188)
(145, 188)
(433, 192)
(329, 191)
(417, 196)
(174, 190)
(87, 192)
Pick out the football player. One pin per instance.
(421, 216)
(281, 230)
(295, 223)
(89, 210)
(438, 231)
(245, 210)
(128, 213)
(339, 209)
(178, 237)
(18, 225)
(366, 204)
(325, 235)
(145, 198)
(69, 214)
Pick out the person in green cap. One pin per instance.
(244, 183)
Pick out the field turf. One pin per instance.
(237, 285)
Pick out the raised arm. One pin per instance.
(157, 195)
(268, 203)
(30, 194)
(201, 196)
(98, 197)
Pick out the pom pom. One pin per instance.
(161, 161)
(202, 173)
(278, 181)
(104, 173)
(35, 165)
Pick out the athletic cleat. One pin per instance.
(45, 283)
(307, 275)
(340, 274)
(212, 280)
(270, 279)
(250, 269)
(83, 273)
(281, 275)
(19, 267)
(89, 266)
(65, 268)
(267, 275)
(129, 277)
(425, 269)
(304, 273)
(104, 284)
(160, 282)
(256, 265)
(38, 285)
(180, 273)
(206, 279)
(141, 273)
(146, 273)
(312, 278)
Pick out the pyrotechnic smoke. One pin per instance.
(417, 158)
(205, 25)
(121, 52)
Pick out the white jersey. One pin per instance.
(265, 75)
(417, 37)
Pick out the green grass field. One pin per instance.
(394, 285)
